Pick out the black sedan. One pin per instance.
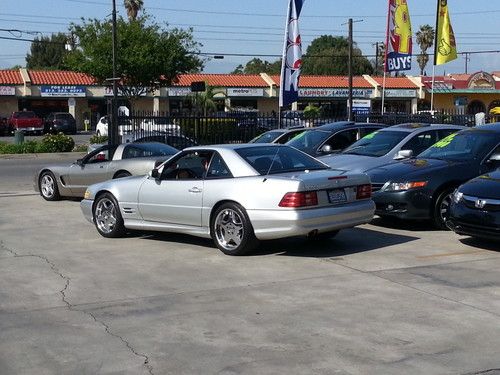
(422, 188)
(475, 207)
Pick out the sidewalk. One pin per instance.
(51, 156)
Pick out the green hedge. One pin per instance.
(49, 143)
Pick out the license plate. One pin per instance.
(337, 196)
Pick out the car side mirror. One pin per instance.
(154, 174)
(495, 158)
(80, 162)
(403, 154)
(326, 149)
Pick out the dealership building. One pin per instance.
(79, 94)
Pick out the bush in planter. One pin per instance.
(55, 143)
(7, 148)
(98, 139)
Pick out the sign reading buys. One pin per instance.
(62, 91)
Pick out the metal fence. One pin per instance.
(183, 130)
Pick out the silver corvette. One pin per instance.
(234, 194)
(104, 163)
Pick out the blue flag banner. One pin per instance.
(292, 56)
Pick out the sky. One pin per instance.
(243, 29)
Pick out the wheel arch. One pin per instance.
(217, 205)
(98, 195)
(121, 171)
(445, 186)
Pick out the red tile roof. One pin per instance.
(59, 77)
(225, 80)
(396, 82)
(10, 77)
(328, 81)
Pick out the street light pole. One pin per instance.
(113, 132)
(350, 114)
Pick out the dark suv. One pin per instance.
(57, 122)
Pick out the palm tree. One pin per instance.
(205, 101)
(133, 7)
(425, 39)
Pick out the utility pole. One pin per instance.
(113, 132)
(350, 114)
(467, 59)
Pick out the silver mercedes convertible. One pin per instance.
(103, 163)
(234, 194)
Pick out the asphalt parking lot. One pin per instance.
(383, 298)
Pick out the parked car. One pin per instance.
(26, 121)
(331, 138)
(292, 118)
(234, 194)
(422, 188)
(125, 126)
(280, 136)
(173, 138)
(104, 163)
(389, 144)
(57, 122)
(475, 206)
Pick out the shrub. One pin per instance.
(81, 148)
(7, 148)
(98, 139)
(56, 143)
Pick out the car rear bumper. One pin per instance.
(272, 224)
(86, 206)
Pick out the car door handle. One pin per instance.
(195, 190)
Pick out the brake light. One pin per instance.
(364, 191)
(299, 199)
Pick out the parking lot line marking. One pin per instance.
(449, 254)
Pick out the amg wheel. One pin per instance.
(232, 231)
(47, 185)
(107, 217)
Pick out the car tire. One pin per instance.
(122, 174)
(442, 209)
(47, 184)
(324, 236)
(107, 216)
(232, 231)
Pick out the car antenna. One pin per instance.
(272, 162)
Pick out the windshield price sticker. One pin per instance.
(337, 196)
(370, 136)
(445, 141)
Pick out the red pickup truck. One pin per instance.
(26, 121)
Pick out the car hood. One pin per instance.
(354, 163)
(485, 186)
(416, 168)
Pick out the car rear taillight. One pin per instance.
(299, 199)
(363, 191)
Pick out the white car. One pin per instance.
(159, 125)
(124, 127)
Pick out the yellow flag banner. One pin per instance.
(445, 47)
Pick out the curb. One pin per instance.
(59, 155)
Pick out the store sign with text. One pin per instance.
(62, 91)
(7, 91)
(245, 92)
(392, 93)
(334, 93)
(179, 91)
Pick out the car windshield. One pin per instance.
(376, 144)
(279, 159)
(266, 137)
(309, 140)
(140, 150)
(463, 146)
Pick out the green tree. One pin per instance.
(425, 39)
(327, 55)
(48, 53)
(257, 66)
(205, 102)
(147, 55)
(133, 7)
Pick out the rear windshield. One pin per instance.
(267, 137)
(280, 159)
(377, 143)
(24, 114)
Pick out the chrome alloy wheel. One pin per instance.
(229, 229)
(47, 184)
(105, 215)
(444, 207)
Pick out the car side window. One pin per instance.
(286, 137)
(100, 155)
(341, 140)
(421, 142)
(130, 152)
(217, 168)
(189, 166)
